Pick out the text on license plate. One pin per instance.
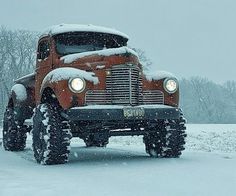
(133, 112)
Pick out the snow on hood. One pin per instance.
(106, 52)
(63, 28)
(65, 73)
(157, 75)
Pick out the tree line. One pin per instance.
(202, 100)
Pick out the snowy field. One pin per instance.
(207, 168)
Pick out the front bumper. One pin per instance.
(122, 113)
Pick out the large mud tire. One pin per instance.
(168, 141)
(14, 132)
(51, 136)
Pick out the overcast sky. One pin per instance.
(186, 37)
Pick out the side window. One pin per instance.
(43, 50)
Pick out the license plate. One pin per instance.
(134, 112)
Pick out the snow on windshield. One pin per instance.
(77, 42)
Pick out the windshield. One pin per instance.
(69, 43)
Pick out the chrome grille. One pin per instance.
(101, 97)
(124, 87)
(124, 84)
(153, 97)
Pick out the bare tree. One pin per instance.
(146, 62)
(230, 86)
(17, 58)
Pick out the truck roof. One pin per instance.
(64, 28)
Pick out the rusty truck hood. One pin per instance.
(102, 59)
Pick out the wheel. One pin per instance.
(168, 141)
(51, 136)
(92, 141)
(14, 132)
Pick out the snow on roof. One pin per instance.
(106, 52)
(64, 28)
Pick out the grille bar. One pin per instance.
(124, 85)
(153, 97)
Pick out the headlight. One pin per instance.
(170, 85)
(76, 85)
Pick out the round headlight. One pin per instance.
(76, 85)
(171, 85)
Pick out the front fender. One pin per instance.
(57, 80)
(154, 80)
(21, 99)
(18, 94)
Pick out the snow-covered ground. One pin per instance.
(207, 168)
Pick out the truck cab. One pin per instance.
(89, 84)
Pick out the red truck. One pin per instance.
(89, 84)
